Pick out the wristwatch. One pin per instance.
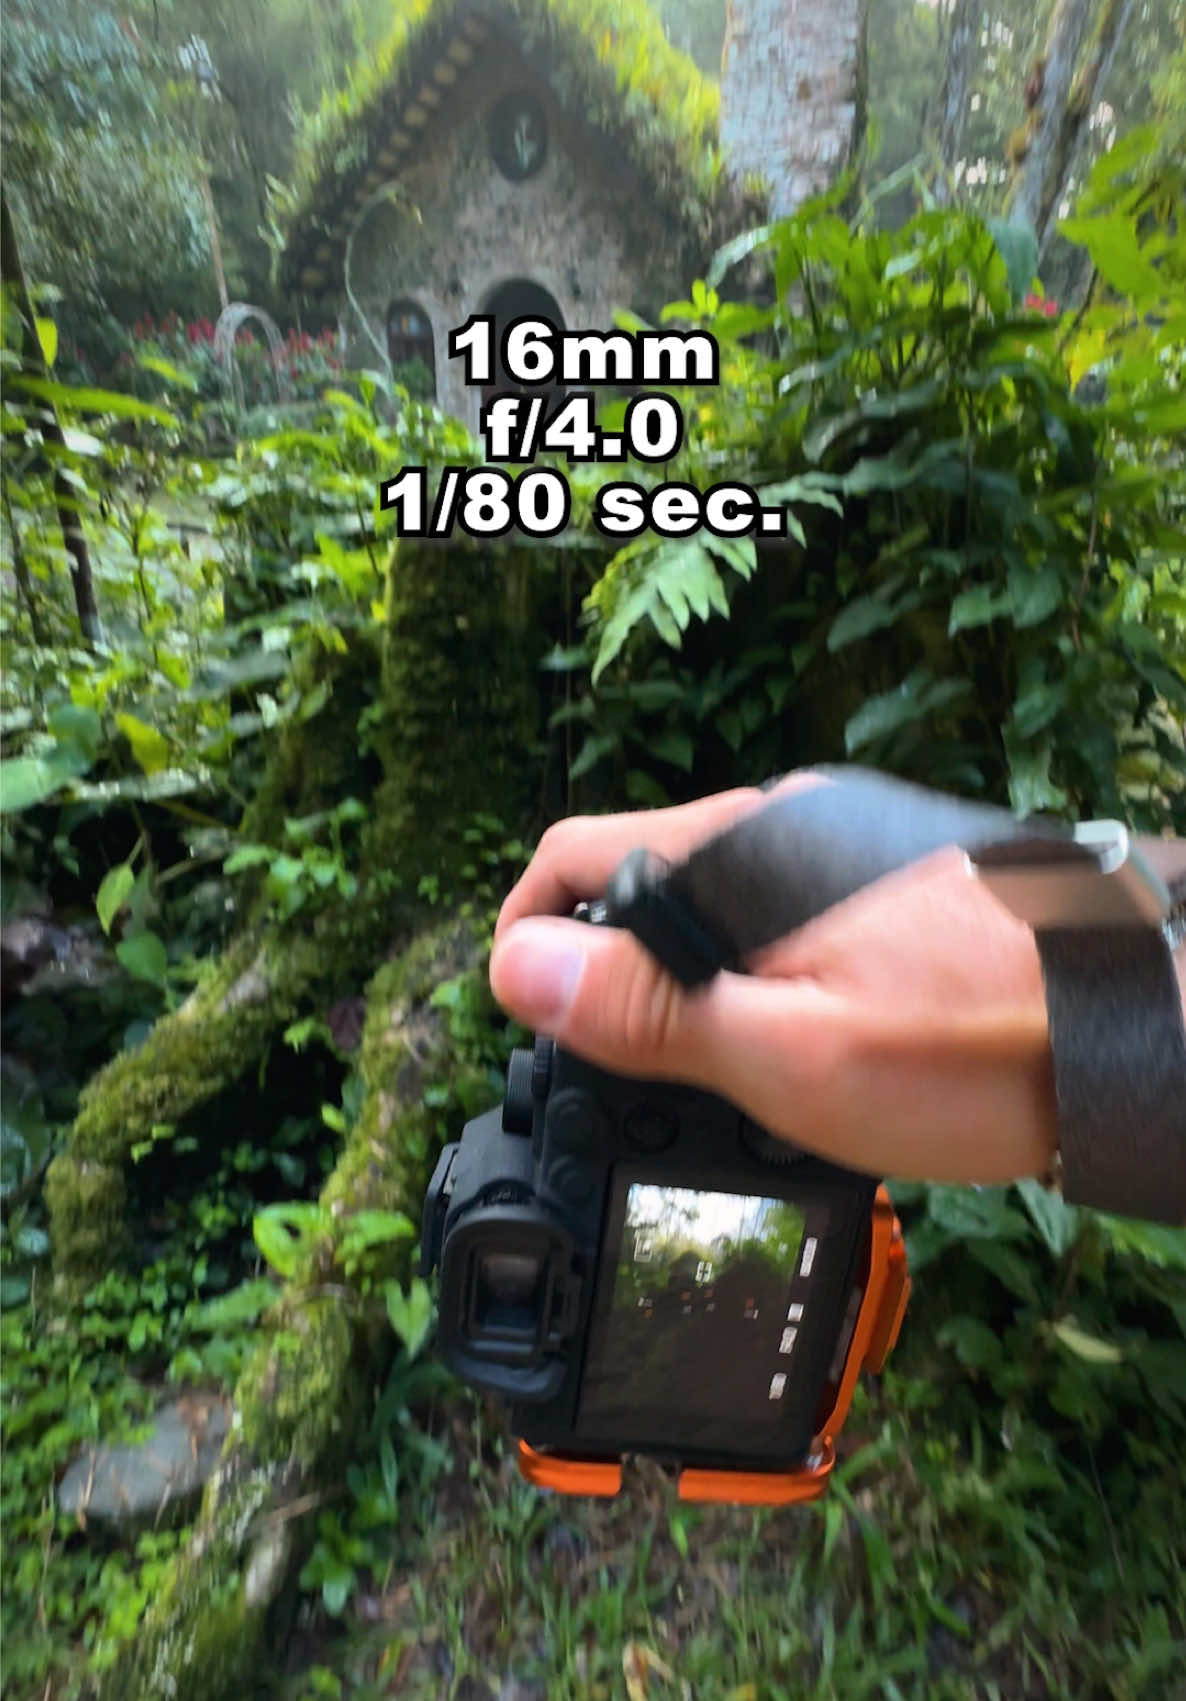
(1106, 924)
(1106, 918)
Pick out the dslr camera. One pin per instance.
(637, 1267)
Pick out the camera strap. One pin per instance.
(1112, 995)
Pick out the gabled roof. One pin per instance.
(608, 62)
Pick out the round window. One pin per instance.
(518, 136)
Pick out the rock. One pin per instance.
(158, 1479)
(38, 955)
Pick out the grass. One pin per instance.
(933, 1569)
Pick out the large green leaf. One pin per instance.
(1086, 1346)
(86, 399)
(26, 780)
(410, 1313)
(47, 336)
(144, 956)
(113, 892)
(918, 695)
(1030, 787)
(976, 607)
(1158, 1242)
(1056, 1221)
(862, 616)
(149, 747)
(1116, 256)
(1034, 594)
(984, 1211)
(1017, 243)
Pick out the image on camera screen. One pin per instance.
(699, 1323)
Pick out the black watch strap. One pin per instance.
(1117, 1033)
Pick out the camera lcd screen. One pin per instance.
(695, 1339)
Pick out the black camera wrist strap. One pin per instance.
(1102, 920)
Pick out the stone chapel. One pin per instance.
(556, 157)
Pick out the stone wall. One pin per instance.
(578, 228)
(792, 92)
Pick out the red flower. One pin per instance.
(1040, 304)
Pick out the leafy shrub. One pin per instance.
(987, 584)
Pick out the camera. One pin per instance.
(637, 1267)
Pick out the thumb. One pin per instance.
(601, 995)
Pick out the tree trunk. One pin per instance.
(1060, 105)
(960, 59)
(215, 244)
(73, 535)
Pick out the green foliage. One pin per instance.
(110, 120)
(984, 588)
(1049, 1302)
(298, 881)
(93, 158)
(988, 586)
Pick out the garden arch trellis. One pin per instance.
(230, 322)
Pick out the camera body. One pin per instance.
(637, 1267)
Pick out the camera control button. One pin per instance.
(575, 1123)
(571, 1180)
(650, 1127)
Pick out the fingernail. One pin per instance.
(535, 970)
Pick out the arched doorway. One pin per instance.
(520, 298)
(411, 349)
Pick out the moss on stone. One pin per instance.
(449, 677)
(86, 1200)
(457, 711)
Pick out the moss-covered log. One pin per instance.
(190, 1055)
(305, 1398)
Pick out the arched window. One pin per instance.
(410, 348)
(521, 298)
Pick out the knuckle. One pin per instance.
(558, 840)
(649, 1008)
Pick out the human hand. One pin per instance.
(902, 1033)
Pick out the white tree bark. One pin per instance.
(953, 99)
(1064, 104)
